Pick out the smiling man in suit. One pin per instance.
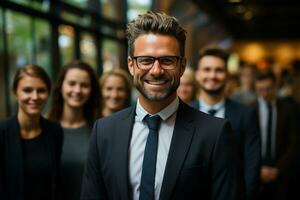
(212, 76)
(160, 148)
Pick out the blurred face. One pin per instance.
(247, 77)
(76, 88)
(114, 93)
(185, 90)
(158, 83)
(266, 89)
(211, 75)
(32, 94)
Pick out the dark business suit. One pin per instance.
(285, 145)
(201, 163)
(11, 158)
(245, 126)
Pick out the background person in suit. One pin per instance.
(75, 105)
(279, 137)
(212, 76)
(30, 145)
(194, 154)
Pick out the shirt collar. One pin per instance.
(262, 101)
(205, 107)
(164, 113)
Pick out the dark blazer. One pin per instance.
(11, 163)
(201, 164)
(286, 135)
(246, 130)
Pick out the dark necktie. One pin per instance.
(212, 111)
(268, 156)
(149, 162)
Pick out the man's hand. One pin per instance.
(268, 174)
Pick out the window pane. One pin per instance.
(27, 42)
(19, 39)
(111, 9)
(66, 43)
(77, 19)
(110, 55)
(136, 7)
(88, 50)
(42, 5)
(2, 83)
(42, 41)
(78, 3)
(20, 46)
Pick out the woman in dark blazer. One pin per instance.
(30, 145)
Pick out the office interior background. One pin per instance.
(50, 33)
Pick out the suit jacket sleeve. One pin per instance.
(252, 153)
(291, 132)
(227, 181)
(93, 184)
(3, 195)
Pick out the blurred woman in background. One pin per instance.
(30, 145)
(116, 91)
(75, 105)
(188, 88)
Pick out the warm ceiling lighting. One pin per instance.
(234, 1)
(253, 52)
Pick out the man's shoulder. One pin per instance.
(115, 117)
(237, 107)
(199, 117)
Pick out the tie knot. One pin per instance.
(212, 111)
(269, 105)
(153, 121)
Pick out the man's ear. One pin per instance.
(130, 65)
(183, 66)
(197, 72)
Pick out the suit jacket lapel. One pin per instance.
(121, 156)
(182, 137)
(228, 111)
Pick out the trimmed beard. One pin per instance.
(215, 92)
(167, 93)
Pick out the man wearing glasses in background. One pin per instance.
(160, 148)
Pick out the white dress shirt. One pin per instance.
(263, 122)
(219, 107)
(138, 142)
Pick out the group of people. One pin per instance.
(264, 126)
(160, 147)
(43, 157)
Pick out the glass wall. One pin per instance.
(78, 3)
(111, 9)
(88, 49)
(27, 42)
(66, 43)
(110, 55)
(136, 7)
(42, 45)
(52, 33)
(2, 80)
(42, 5)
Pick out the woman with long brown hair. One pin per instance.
(75, 105)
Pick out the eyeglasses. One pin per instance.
(165, 62)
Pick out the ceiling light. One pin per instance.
(234, 1)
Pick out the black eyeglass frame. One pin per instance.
(178, 58)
